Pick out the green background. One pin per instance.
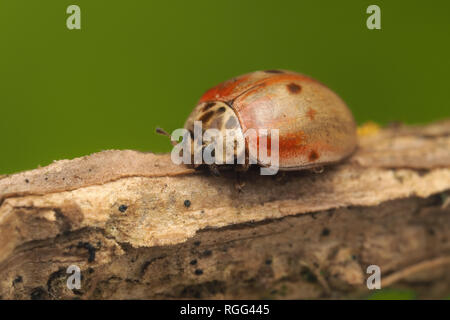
(136, 65)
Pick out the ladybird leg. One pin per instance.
(214, 169)
(242, 167)
(280, 176)
(319, 169)
(245, 166)
(239, 184)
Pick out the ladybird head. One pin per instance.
(218, 121)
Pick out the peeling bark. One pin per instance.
(139, 226)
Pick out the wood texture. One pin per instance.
(140, 227)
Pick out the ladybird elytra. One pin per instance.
(315, 125)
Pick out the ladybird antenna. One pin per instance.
(163, 132)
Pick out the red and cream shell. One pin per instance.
(315, 125)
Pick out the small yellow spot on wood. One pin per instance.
(369, 128)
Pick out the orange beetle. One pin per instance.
(314, 124)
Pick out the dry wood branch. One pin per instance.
(141, 227)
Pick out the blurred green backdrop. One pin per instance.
(136, 65)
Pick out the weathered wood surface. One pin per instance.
(123, 218)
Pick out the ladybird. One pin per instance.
(314, 124)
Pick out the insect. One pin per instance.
(315, 126)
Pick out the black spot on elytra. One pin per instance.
(325, 232)
(206, 117)
(294, 88)
(269, 262)
(123, 208)
(187, 203)
(313, 155)
(193, 262)
(208, 106)
(27, 181)
(273, 71)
